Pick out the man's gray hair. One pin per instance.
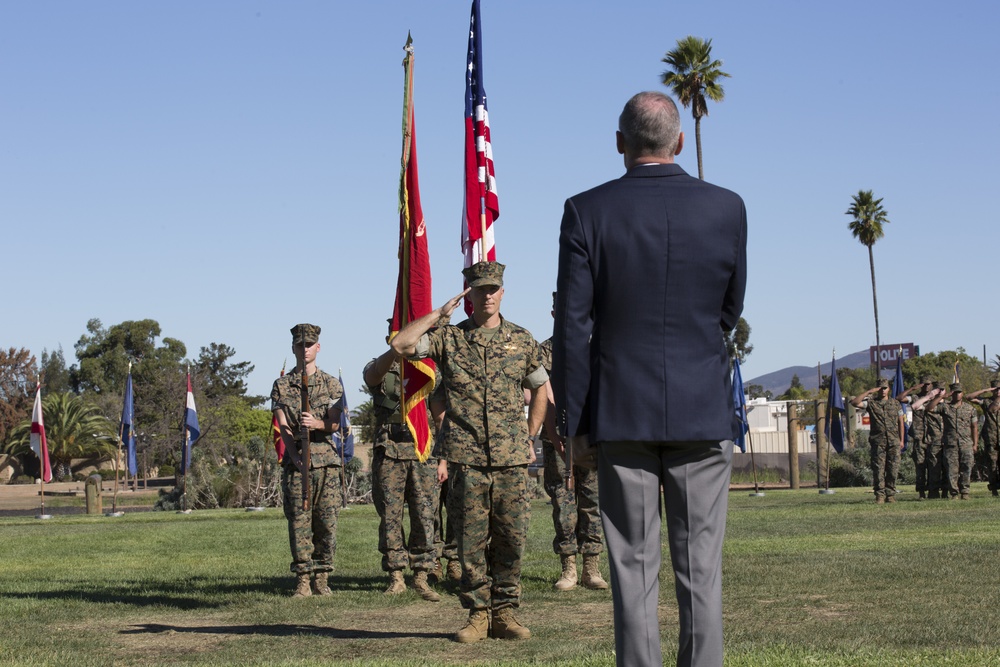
(650, 125)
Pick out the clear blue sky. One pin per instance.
(231, 168)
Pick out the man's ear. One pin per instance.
(620, 142)
(680, 144)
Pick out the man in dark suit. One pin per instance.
(652, 270)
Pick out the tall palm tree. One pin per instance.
(867, 227)
(694, 77)
(73, 428)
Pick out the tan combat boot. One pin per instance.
(423, 589)
(303, 589)
(454, 570)
(506, 626)
(319, 584)
(592, 578)
(396, 583)
(437, 574)
(476, 628)
(567, 580)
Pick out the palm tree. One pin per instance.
(694, 77)
(73, 429)
(869, 218)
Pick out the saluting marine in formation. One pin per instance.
(888, 428)
(918, 431)
(959, 441)
(991, 429)
(486, 362)
(312, 518)
(398, 478)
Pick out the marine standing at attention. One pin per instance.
(312, 530)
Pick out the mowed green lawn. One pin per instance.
(809, 580)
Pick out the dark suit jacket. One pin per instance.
(652, 269)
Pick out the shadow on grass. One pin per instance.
(282, 630)
(193, 593)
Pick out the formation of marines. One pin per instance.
(944, 437)
(489, 369)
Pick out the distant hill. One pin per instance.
(778, 382)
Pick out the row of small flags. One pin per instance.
(126, 430)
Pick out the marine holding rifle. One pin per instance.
(306, 403)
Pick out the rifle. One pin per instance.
(304, 431)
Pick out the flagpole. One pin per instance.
(41, 488)
(829, 417)
(121, 431)
(184, 450)
(343, 463)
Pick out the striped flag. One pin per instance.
(482, 207)
(39, 445)
(279, 444)
(413, 289)
(191, 430)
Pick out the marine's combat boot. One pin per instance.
(319, 584)
(454, 571)
(506, 626)
(567, 580)
(437, 574)
(421, 586)
(303, 589)
(476, 629)
(396, 583)
(592, 578)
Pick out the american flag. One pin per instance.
(481, 205)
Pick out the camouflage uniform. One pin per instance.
(884, 441)
(918, 448)
(934, 458)
(312, 534)
(991, 441)
(485, 432)
(399, 478)
(446, 515)
(576, 515)
(957, 445)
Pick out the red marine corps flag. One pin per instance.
(413, 291)
(279, 444)
(482, 207)
(39, 445)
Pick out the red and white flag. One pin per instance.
(39, 445)
(482, 208)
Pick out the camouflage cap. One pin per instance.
(994, 384)
(955, 387)
(927, 379)
(938, 384)
(883, 383)
(484, 273)
(307, 334)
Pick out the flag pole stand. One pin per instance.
(827, 491)
(184, 509)
(757, 493)
(41, 492)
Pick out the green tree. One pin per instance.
(694, 79)
(758, 391)
(74, 429)
(220, 377)
(17, 387)
(53, 371)
(795, 392)
(867, 226)
(941, 366)
(738, 341)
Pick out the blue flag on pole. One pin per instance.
(835, 412)
(191, 430)
(343, 437)
(740, 404)
(127, 428)
(897, 389)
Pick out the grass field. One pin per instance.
(809, 580)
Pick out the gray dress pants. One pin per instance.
(695, 481)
